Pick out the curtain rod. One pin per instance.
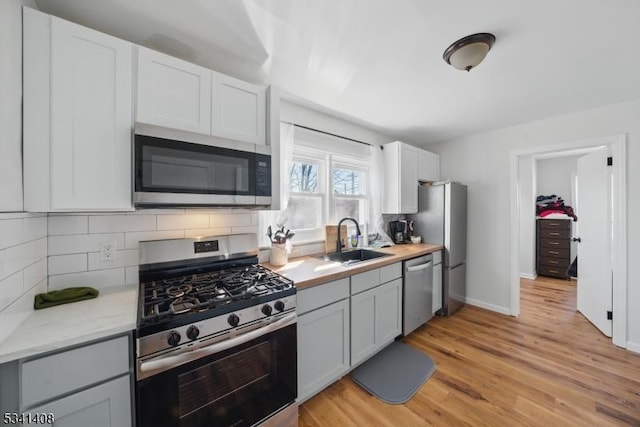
(327, 133)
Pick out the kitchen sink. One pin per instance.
(353, 256)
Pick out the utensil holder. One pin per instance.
(279, 254)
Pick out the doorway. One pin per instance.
(617, 147)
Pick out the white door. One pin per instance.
(594, 266)
(91, 118)
(173, 93)
(239, 110)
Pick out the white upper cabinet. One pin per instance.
(77, 117)
(401, 178)
(173, 93)
(428, 166)
(177, 94)
(239, 110)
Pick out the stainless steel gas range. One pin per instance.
(216, 336)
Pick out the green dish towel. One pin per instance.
(64, 296)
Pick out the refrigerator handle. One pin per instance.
(419, 267)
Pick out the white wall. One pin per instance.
(482, 162)
(305, 116)
(527, 198)
(23, 266)
(555, 176)
(11, 104)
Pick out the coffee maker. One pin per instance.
(398, 230)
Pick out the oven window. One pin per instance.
(180, 167)
(209, 384)
(239, 386)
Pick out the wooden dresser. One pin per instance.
(553, 247)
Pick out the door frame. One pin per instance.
(618, 149)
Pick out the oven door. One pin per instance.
(170, 172)
(240, 386)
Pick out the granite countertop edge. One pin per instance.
(113, 312)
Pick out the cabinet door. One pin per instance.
(173, 93)
(91, 118)
(408, 179)
(239, 110)
(428, 166)
(323, 348)
(106, 405)
(388, 321)
(363, 331)
(437, 287)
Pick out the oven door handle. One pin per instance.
(179, 359)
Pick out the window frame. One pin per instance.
(351, 163)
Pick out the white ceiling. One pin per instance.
(380, 61)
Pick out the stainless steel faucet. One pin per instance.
(339, 242)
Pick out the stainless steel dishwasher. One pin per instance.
(417, 300)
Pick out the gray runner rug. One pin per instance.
(395, 374)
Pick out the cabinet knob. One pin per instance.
(577, 239)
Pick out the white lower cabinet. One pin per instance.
(376, 319)
(344, 322)
(323, 347)
(106, 405)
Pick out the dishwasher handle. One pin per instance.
(419, 267)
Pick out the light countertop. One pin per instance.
(309, 271)
(114, 311)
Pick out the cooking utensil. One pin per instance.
(290, 234)
(269, 233)
(279, 237)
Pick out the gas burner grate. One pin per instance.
(170, 297)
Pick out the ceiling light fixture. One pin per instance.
(469, 51)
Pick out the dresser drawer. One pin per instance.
(555, 243)
(555, 263)
(555, 224)
(545, 270)
(551, 233)
(562, 253)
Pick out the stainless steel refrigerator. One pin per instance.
(442, 219)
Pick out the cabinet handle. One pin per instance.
(553, 262)
(554, 252)
(554, 243)
(554, 234)
(552, 224)
(554, 271)
(418, 267)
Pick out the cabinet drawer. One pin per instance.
(545, 270)
(555, 263)
(364, 281)
(553, 253)
(321, 295)
(550, 233)
(555, 243)
(553, 224)
(390, 272)
(70, 370)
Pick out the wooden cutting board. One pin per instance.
(331, 237)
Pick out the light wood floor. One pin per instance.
(548, 367)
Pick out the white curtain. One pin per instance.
(377, 181)
(286, 160)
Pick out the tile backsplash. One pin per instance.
(75, 240)
(23, 266)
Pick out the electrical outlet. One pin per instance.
(108, 251)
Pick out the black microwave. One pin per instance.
(169, 172)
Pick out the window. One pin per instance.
(348, 182)
(305, 208)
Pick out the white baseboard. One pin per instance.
(633, 346)
(528, 276)
(487, 306)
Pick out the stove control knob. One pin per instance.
(233, 320)
(279, 305)
(193, 332)
(266, 310)
(173, 339)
